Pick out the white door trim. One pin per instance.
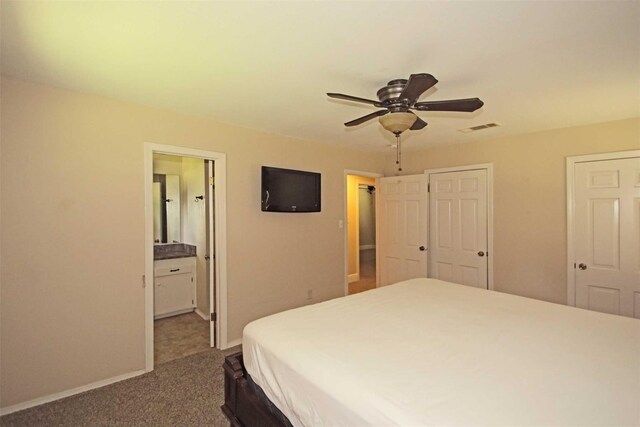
(345, 228)
(220, 238)
(489, 168)
(211, 250)
(571, 256)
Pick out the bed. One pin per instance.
(426, 352)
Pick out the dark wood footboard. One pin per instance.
(245, 404)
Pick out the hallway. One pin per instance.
(367, 272)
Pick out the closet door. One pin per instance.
(607, 236)
(458, 227)
(402, 233)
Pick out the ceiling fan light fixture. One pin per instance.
(397, 122)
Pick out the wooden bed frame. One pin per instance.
(245, 404)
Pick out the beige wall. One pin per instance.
(366, 217)
(72, 232)
(529, 197)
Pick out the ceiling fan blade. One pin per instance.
(367, 117)
(467, 105)
(417, 84)
(354, 98)
(419, 124)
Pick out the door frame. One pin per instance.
(219, 237)
(490, 253)
(345, 228)
(571, 162)
(211, 244)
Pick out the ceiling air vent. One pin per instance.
(476, 128)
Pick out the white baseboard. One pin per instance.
(67, 393)
(201, 314)
(353, 277)
(173, 313)
(233, 343)
(363, 247)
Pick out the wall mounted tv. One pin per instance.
(286, 190)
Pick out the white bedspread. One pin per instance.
(426, 352)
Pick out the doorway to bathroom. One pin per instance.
(182, 258)
(185, 253)
(361, 269)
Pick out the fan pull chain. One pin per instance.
(398, 152)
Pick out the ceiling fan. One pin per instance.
(399, 97)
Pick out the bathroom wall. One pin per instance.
(167, 165)
(192, 214)
(194, 224)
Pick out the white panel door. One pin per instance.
(607, 236)
(402, 233)
(458, 227)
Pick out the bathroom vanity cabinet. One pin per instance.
(174, 286)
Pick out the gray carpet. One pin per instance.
(183, 392)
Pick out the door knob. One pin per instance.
(582, 266)
(207, 257)
(481, 253)
(422, 248)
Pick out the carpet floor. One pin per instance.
(183, 392)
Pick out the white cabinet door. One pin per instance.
(172, 293)
(174, 286)
(458, 227)
(402, 228)
(607, 236)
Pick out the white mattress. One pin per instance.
(426, 352)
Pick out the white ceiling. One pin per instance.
(268, 65)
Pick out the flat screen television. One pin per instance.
(287, 190)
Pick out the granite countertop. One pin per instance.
(173, 250)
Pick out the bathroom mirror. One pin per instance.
(166, 208)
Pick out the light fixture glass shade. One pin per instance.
(397, 122)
